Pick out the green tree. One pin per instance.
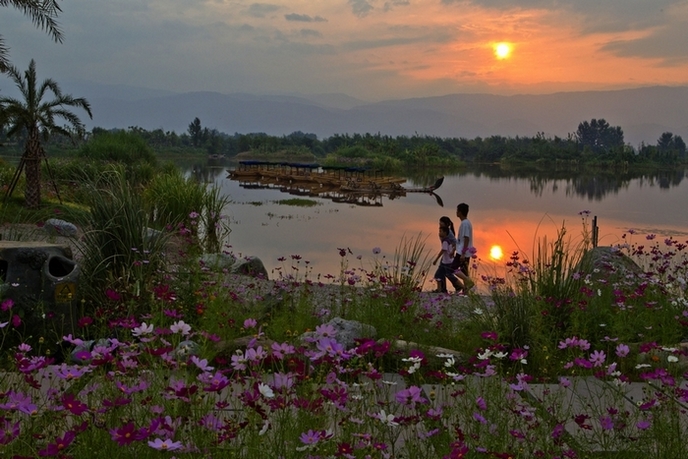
(599, 136)
(43, 14)
(37, 117)
(196, 132)
(671, 145)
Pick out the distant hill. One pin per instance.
(643, 113)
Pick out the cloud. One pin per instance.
(360, 8)
(357, 45)
(310, 33)
(303, 18)
(260, 10)
(666, 43)
(393, 3)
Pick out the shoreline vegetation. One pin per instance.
(594, 144)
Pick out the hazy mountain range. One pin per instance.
(643, 113)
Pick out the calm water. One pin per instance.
(510, 210)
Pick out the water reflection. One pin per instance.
(593, 184)
(509, 211)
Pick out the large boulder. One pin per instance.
(57, 227)
(348, 331)
(608, 263)
(247, 266)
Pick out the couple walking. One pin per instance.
(455, 253)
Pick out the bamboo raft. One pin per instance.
(356, 185)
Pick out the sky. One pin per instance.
(368, 49)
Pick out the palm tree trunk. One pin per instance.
(32, 159)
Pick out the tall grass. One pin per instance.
(175, 201)
(119, 251)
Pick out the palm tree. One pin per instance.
(43, 14)
(36, 118)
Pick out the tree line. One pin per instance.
(594, 141)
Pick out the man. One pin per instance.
(464, 245)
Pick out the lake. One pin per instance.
(509, 209)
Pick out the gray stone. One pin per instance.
(608, 263)
(250, 266)
(57, 227)
(348, 331)
(152, 234)
(217, 261)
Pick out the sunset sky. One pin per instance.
(369, 49)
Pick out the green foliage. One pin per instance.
(119, 251)
(119, 146)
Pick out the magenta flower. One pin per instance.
(479, 417)
(70, 372)
(250, 323)
(8, 431)
(643, 424)
(53, 449)
(7, 304)
(607, 423)
(214, 383)
(481, 404)
(73, 405)
(410, 396)
(165, 445)
(124, 435)
(20, 402)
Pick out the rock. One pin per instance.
(348, 331)
(247, 266)
(217, 261)
(57, 227)
(152, 234)
(250, 266)
(608, 263)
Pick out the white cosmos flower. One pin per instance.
(387, 419)
(265, 390)
(672, 359)
(143, 329)
(485, 355)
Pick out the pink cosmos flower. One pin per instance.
(165, 445)
(280, 350)
(8, 431)
(410, 396)
(597, 358)
(622, 350)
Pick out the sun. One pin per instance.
(502, 50)
(496, 252)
